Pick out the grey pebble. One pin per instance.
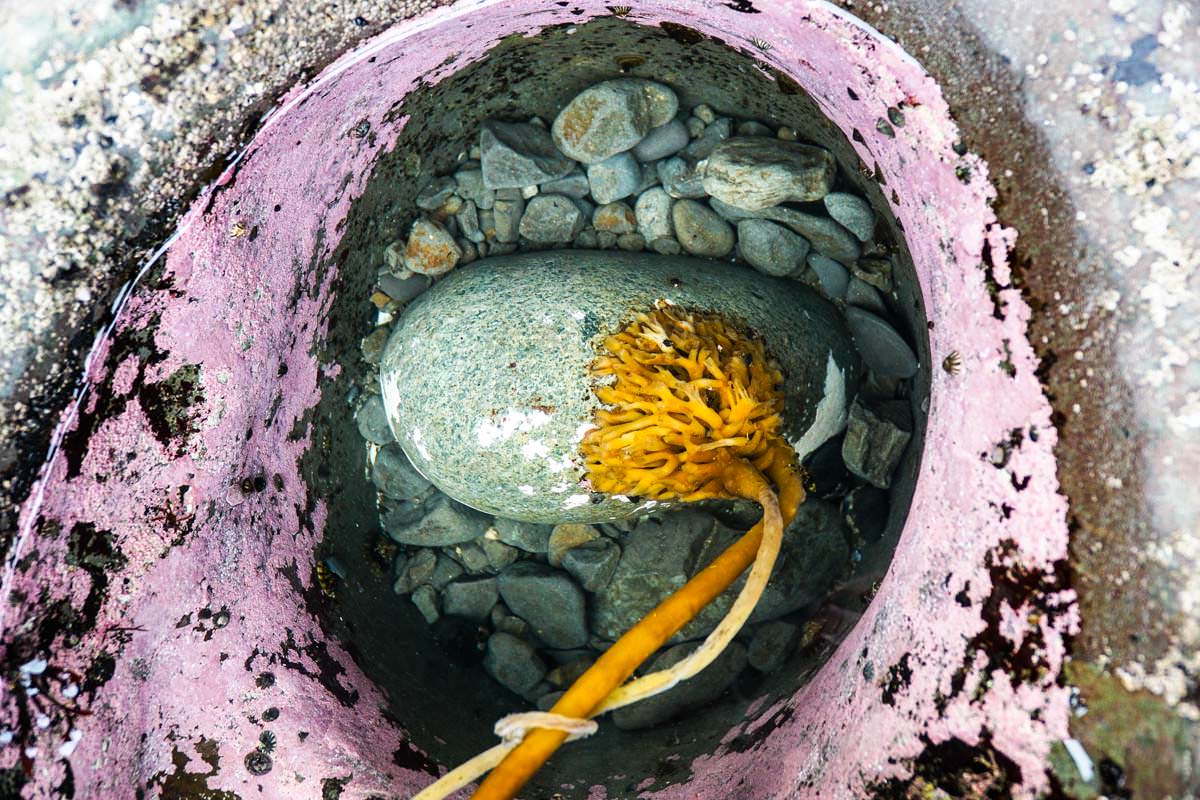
(612, 116)
(606, 240)
(875, 441)
(826, 236)
(700, 230)
(771, 248)
(649, 177)
(551, 218)
(507, 219)
(833, 277)
(402, 290)
(881, 347)
(499, 554)
(548, 600)
(755, 173)
(593, 564)
(695, 126)
(864, 295)
(469, 182)
(445, 522)
(773, 642)
(573, 184)
(371, 419)
(653, 213)
(513, 663)
(665, 140)
(667, 246)
(472, 598)
(436, 192)
(614, 178)
(414, 569)
(517, 154)
(700, 690)
(547, 701)
(704, 113)
(395, 476)
(631, 242)
(468, 222)
(447, 569)
(680, 178)
(532, 537)
(714, 133)
(661, 554)
(586, 240)
(425, 598)
(472, 557)
(853, 212)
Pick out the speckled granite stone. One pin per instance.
(486, 382)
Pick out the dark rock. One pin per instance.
(866, 511)
(714, 133)
(660, 555)
(395, 476)
(532, 537)
(447, 569)
(881, 347)
(773, 642)
(470, 598)
(425, 598)
(548, 600)
(445, 522)
(697, 691)
(593, 563)
(875, 441)
(499, 554)
(414, 569)
(513, 663)
(435, 193)
(551, 218)
(371, 419)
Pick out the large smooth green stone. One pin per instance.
(486, 384)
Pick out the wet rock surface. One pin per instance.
(641, 176)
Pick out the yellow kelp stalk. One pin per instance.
(691, 412)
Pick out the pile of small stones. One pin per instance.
(621, 167)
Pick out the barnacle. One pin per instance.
(691, 411)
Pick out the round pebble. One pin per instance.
(653, 214)
(853, 212)
(614, 178)
(616, 217)
(611, 117)
(551, 218)
(665, 140)
(770, 248)
(882, 348)
(700, 230)
(833, 277)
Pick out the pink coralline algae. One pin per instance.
(158, 590)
